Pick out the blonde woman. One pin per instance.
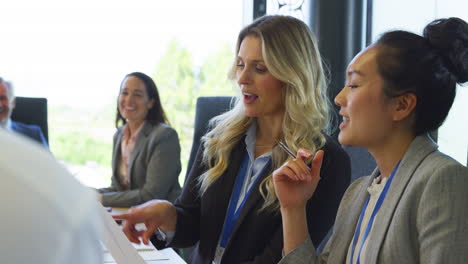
(229, 204)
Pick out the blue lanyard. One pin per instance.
(232, 214)
(371, 220)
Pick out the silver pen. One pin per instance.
(290, 153)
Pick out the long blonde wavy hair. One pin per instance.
(290, 52)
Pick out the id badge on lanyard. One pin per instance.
(232, 213)
(371, 220)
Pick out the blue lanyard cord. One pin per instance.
(232, 213)
(371, 219)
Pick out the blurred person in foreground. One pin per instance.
(228, 205)
(47, 216)
(146, 154)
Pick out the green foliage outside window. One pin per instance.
(180, 84)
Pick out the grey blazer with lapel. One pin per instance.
(424, 218)
(154, 168)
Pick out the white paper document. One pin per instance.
(118, 249)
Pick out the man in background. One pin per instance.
(48, 217)
(7, 104)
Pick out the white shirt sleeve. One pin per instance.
(165, 236)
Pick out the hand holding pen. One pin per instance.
(289, 151)
(294, 181)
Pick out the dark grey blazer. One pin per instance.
(154, 168)
(424, 218)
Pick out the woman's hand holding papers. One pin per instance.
(154, 214)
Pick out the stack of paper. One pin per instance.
(118, 249)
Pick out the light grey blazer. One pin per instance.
(423, 219)
(154, 168)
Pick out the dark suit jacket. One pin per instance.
(153, 170)
(257, 236)
(32, 131)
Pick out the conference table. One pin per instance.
(170, 255)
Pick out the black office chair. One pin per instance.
(32, 111)
(206, 108)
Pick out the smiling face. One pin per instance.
(134, 102)
(367, 114)
(262, 93)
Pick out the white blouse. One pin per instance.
(374, 191)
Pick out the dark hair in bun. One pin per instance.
(428, 66)
(450, 38)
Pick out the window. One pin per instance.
(76, 54)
